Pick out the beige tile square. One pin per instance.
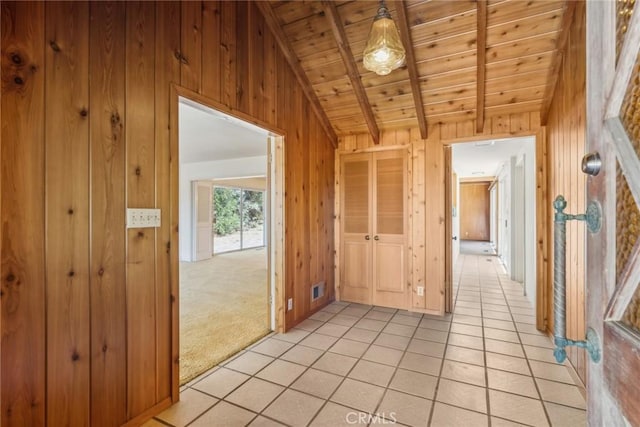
(261, 421)
(464, 372)
(463, 395)
(335, 363)
(496, 315)
(564, 394)
(523, 311)
(564, 416)
(464, 355)
(359, 395)
(371, 372)
(461, 328)
(333, 308)
(551, 371)
(192, 403)
(370, 325)
(404, 408)
(354, 311)
(221, 382)
(428, 348)
(294, 335)
(414, 383)
(435, 324)
(281, 372)
(539, 353)
(334, 415)
(468, 311)
(385, 309)
(322, 316)
(309, 325)
(499, 324)
(421, 363)
(521, 318)
(536, 340)
(398, 329)
(379, 315)
(294, 408)
(349, 348)
(361, 335)
(272, 347)
(302, 355)
(319, 341)
(153, 423)
(501, 335)
(500, 422)
(255, 394)
(503, 347)
(392, 341)
(450, 416)
(332, 329)
(224, 414)
(529, 329)
(495, 307)
(318, 383)
(431, 335)
(517, 408)
(507, 363)
(384, 355)
(467, 320)
(406, 319)
(512, 383)
(249, 362)
(344, 320)
(467, 341)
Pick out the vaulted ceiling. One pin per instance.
(465, 60)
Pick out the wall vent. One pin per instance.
(317, 291)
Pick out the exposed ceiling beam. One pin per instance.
(554, 70)
(331, 12)
(481, 80)
(405, 35)
(294, 63)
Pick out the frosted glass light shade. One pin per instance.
(384, 51)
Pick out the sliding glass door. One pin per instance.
(238, 219)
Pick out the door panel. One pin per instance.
(474, 211)
(203, 221)
(390, 198)
(356, 271)
(356, 196)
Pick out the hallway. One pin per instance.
(486, 361)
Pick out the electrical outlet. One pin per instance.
(290, 304)
(420, 291)
(143, 218)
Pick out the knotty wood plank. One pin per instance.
(167, 68)
(191, 45)
(67, 223)
(22, 265)
(256, 77)
(418, 229)
(344, 48)
(481, 67)
(242, 57)
(554, 70)
(270, 83)
(288, 53)
(405, 35)
(140, 178)
(434, 228)
(108, 244)
(228, 71)
(211, 48)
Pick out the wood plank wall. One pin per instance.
(427, 192)
(566, 146)
(86, 304)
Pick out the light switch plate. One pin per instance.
(143, 218)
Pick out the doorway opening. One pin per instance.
(230, 225)
(493, 187)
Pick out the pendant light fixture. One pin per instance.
(384, 51)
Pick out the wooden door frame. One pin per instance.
(543, 206)
(276, 220)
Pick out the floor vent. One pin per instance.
(317, 291)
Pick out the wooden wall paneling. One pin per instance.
(337, 209)
(140, 176)
(228, 53)
(434, 229)
(330, 171)
(315, 244)
(243, 74)
(543, 208)
(22, 214)
(167, 69)
(191, 45)
(256, 62)
(67, 203)
(108, 244)
(211, 48)
(269, 83)
(418, 221)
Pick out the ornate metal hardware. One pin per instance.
(592, 218)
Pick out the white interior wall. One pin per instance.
(529, 151)
(455, 226)
(504, 215)
(189, 172)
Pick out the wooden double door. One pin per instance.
(373, 228)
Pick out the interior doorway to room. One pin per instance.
(226, 275)
(494, 206)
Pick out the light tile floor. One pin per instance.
(351, 364)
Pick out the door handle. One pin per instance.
(367, 237)
(455, 237)
(376, 238)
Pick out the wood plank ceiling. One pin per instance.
(466, 59)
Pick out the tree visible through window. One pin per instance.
(238, 219)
